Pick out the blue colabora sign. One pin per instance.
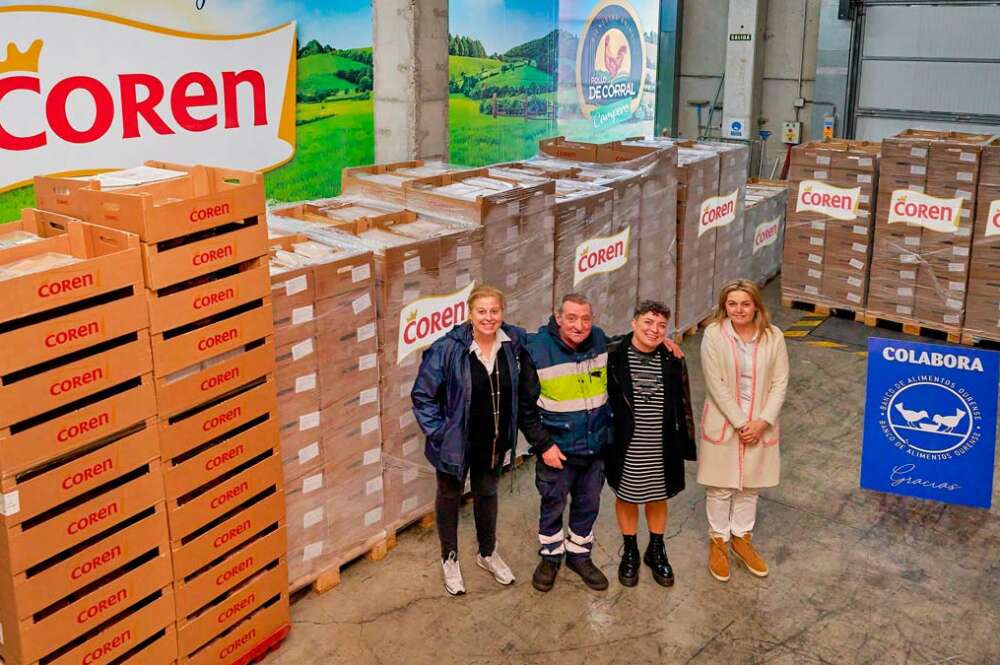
(930, 421)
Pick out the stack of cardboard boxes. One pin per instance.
(204, 246)
(982, 313)
(425, 268)
(516, 215)
(730, 257)
(698, 175)
(586, 251)
(764, 230)
(832, 193)
(924, 224)
(328, 383)
(85, 567)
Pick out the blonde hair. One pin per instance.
(761, 316)
(486, 291)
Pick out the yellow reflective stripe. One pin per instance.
(575, 386)
(573, 405)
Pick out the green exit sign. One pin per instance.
(740, 37)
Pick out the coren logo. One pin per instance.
(99, 108)
(836, 202)
(930, 212)
(423, 321)
(600, 255)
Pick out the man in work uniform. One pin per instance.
(566, 418)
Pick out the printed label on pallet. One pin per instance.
(423, 321)
(835, 202)
(717, 211)
(930, 212)
(766, 234)
(600, 255)
(993, 219)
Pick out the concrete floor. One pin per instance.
(856, 577)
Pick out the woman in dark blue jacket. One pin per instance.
(465, 400)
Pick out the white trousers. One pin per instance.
(730, 512)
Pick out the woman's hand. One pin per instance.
(752, 431)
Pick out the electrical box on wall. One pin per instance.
(791, 132)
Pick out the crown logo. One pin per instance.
(21, 62)
(412, 316)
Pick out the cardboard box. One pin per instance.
(196, 631)
(132, 542)
(34, 442)
(103, 261)
(214, 377)
(70, 477)
(236, 448)
(176, 201)
(173, 308)
(147, 630)
(187, 431)
(188, 515)
(233, 569)
(206, 546)
(176, 261)
(33, 638)
(29, 544)
(233, 646)
(384, 182)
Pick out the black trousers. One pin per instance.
(484, 506)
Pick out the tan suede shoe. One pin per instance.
(745, 551)
(718, 559)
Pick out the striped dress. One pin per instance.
(643, 477)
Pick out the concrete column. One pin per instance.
(744, 68)
(411, 79)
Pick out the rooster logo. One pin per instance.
(612, 63)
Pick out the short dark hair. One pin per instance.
(652, 307)
(576, 299)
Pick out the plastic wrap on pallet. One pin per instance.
(516, 215)
(587, 252)
(828, 233)
(764, 230)
(924, 228)
(384, 182)
(982, 313)
(698, 177)
(425, 267)
(730, 256)
(642, 173)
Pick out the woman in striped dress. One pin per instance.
(653, 435)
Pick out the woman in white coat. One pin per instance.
(745, 363)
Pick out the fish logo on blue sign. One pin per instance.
(610, 64)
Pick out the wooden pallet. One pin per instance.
(914, 327)
(979, 341)
(693, 329)
(425, 521)
(265, 647)
(374, 549)
(824, 309)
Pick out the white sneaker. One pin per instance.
(453, 582)
(495, 565)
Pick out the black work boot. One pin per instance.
(628, 569)
(589, 573)
(656, 559)
(545, 575)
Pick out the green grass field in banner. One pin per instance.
(478, 139)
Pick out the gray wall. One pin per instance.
(703, 56)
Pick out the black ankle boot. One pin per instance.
(545, 575)
(656, 559)
(628, 569)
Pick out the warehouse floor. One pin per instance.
(856, 577)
